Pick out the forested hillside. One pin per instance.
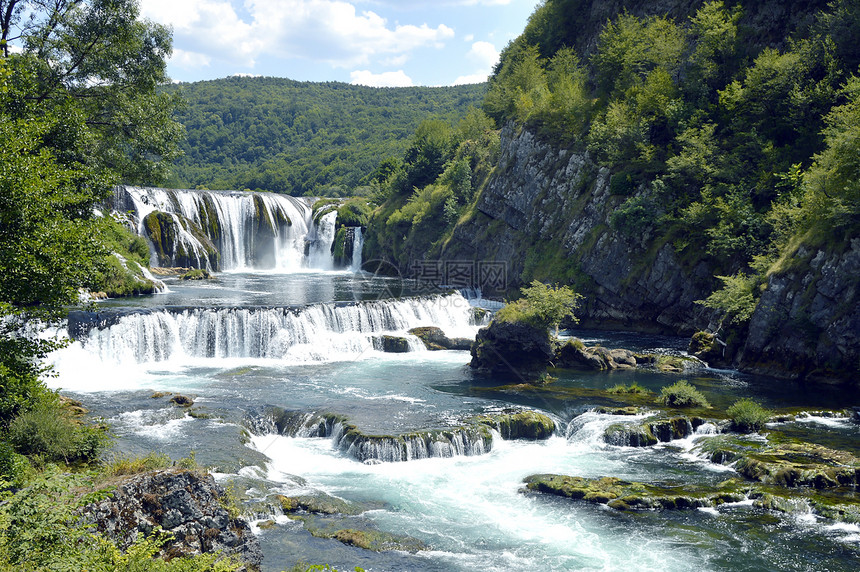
(300, 138)
(683, 158)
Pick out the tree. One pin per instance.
(78, 112)
(94, 66)
(543, 306)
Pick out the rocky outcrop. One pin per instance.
(651, 431)
(575, 355)
(528, 425)
(807, 323)
(391, 344)
(512, 348)
(187, 504)
(785, 464)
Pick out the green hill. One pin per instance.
(299, 138)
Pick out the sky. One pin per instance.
(381, 43)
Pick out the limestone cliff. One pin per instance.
(807, 323)
(546, 214)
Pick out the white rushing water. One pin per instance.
(317, 333)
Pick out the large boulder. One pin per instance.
(575, 355)
(188, 504)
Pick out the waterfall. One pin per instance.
(227, 230)
(357, 245)
(320, 240)
(423, 444)
(322, 332)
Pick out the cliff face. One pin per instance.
(807, 323)
(545, 214)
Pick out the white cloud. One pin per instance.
(486, 56)
(473, 78)
(484, 53)
(395, 61)
(469, 38)
(386, 79)
(190, 60)
(329, 31)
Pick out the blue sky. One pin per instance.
(371, 42)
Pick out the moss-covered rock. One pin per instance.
(357, 532)
(169, 236)
(626, 495)
(529, 425)
(800, 465)
(196, 274)
(435, 339)
(512, 348)
(318, 503)
(651, 431)
(391, 344)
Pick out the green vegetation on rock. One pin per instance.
(682, 394)
(747, 415)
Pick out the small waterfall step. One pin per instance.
(474, 437)
(320, 332)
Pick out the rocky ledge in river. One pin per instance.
(434, 339)
(188, 504)
(651, 431)
(788, 477)
(325, 516)
(473, 437)
(527, 351)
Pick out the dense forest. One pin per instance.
(732, 151)
(301, 138)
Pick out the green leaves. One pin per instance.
(543, 306)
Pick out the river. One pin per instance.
(302, 339)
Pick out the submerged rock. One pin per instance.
(188, 504)
(182, 401)
(435, 339)
(325, 516)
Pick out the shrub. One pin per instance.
(682, 394)
(747, 415)
(633, 388)
(131, 466)
(49, 431)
